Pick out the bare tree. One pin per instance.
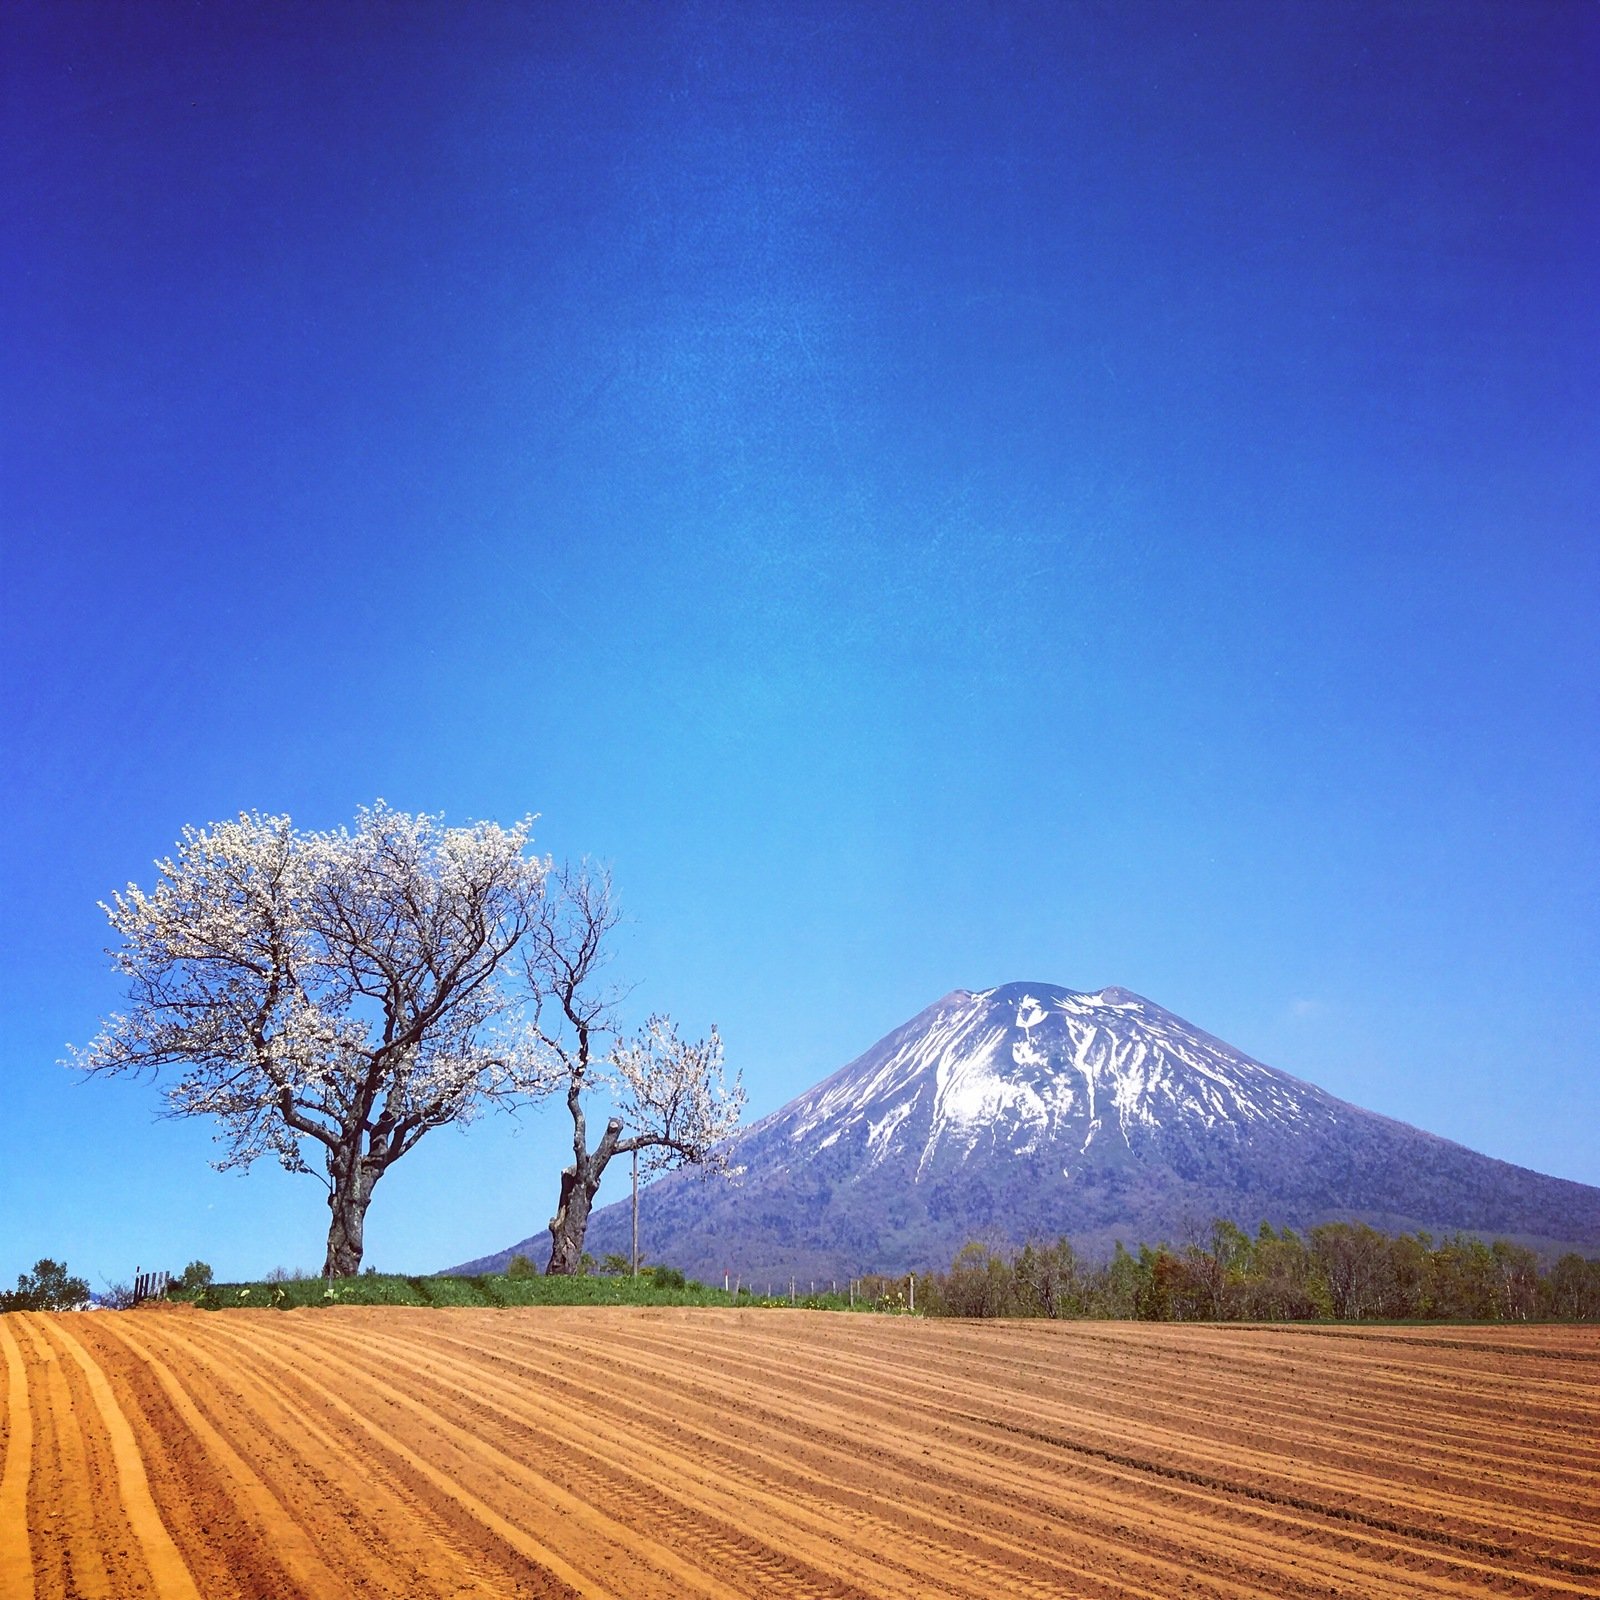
(1353, 1260)
(671, 1101)
(338, 993)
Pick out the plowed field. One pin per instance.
(639, 1453)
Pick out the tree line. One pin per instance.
(1340, 1271)
(331, 997)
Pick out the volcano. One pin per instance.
(1033, 1111)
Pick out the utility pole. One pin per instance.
(636, 1213)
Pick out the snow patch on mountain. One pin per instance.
(1025, 1067)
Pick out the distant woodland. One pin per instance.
(1341, 1271)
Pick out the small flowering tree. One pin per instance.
(333, 994)
(672, 1103)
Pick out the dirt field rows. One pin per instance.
(640, 1453)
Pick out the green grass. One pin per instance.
(382, 1289)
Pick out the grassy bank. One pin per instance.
(490, 1289)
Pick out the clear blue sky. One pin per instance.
(935, 494)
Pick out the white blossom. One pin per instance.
(347, 989)
(673, 1096)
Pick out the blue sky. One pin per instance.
(933, 494)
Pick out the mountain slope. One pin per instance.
(1030, 1110)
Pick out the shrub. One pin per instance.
(195, 1277)
(519, 1266)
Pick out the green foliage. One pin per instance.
(520, 1267)
(194, 1278)
(1341, 1271)
(1119, 1285)
(46, 1288)
(487, 1290)
(1276, 1275)
(449, 1291)
(494, 1290)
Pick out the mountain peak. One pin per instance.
(1049, 994)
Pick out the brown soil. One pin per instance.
(643, 1454)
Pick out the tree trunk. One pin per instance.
(571, 1221)
(348, 1200)
(570, 1224)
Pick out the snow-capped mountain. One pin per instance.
(1033, 1111)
